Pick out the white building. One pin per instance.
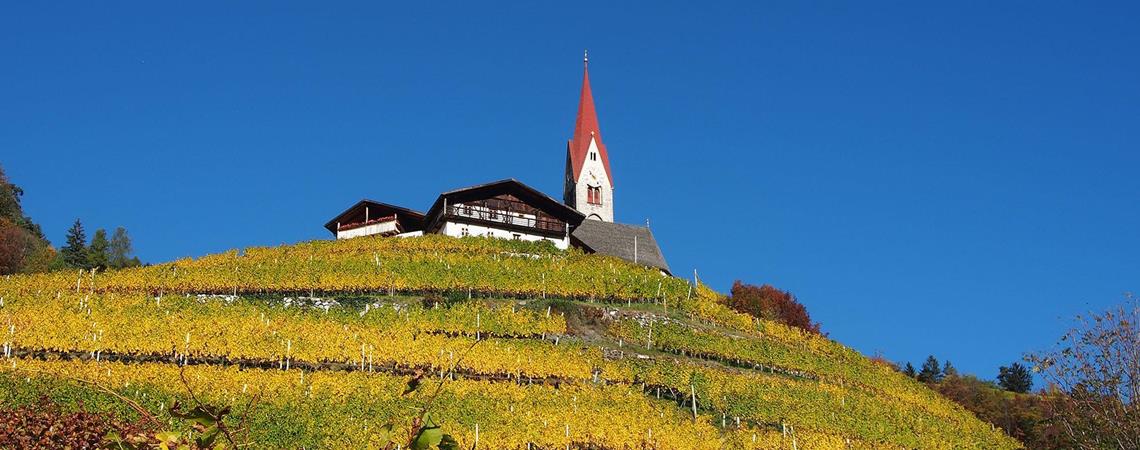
(370, 217)
(509, 209)
(506, 209)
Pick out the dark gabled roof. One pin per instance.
(408, 213)
(520, 190)
(616, 239)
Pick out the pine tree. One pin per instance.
(909, 370)
(948, 370)
(1015, 378)
(931, 372)
(74, 254)
(98, 252)
(121, 249)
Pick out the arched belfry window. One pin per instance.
(594, 195)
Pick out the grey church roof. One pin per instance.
(616, 239)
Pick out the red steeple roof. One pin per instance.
(584, 127)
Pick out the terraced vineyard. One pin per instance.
(533, 348)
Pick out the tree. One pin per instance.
(13, 245)
(1015, 378)
(74, 254)
(10, 198)
(767, 302)
(1019, 415)
(1096, 365)
(121, 249)
(22, 244)
(948, 370)
(931, 372)
(98, 253)
(909, 370)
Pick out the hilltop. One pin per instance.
(534, 347)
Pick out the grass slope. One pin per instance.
(536, 347)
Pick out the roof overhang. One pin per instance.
(381, 209)
(520, 190)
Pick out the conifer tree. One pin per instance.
(1015, 378)
(97, 253)
(74, 254)
(931, 372)
(948, 370)
(909, 370)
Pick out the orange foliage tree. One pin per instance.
(770, 303)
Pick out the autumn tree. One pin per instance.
(23, 247)
(1096, 369)
(767, 302)
(1019, 415)
(13, 245)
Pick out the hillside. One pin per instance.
(536, 347)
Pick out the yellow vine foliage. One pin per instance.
(352, 306)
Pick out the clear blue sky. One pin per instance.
(953, 180)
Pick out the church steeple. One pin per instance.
(589, 180)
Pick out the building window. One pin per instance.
(516, 236)
(464, 233)
(593, 156)
(594, 195)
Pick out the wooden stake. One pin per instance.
(693, 391)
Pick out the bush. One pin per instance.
(769, 303)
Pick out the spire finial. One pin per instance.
(586, 57)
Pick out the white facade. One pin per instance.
(384, 227)
(456, 229)
(593, 175)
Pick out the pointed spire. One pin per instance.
(586, 127)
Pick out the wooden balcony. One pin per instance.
(384, 226)
(485, 213)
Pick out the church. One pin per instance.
(510, 209)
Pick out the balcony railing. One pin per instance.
(350, 226)
(512, 219)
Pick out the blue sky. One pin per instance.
(956, 180)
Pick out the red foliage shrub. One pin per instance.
(767, 302)
(21, 251)
(45, 426)
(13, 245)
(882, 361)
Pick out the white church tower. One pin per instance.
(589, 182)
